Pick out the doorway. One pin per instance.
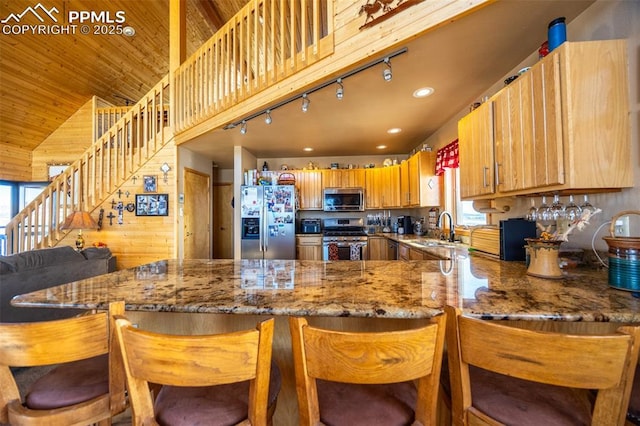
(197, 202)
(223, 221)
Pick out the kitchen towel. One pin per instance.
(333, 252)
(355, 251)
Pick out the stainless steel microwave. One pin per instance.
(343, 199)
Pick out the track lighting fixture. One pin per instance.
(386, 73)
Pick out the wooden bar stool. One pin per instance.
(86, 387)
(345, 378)
(222, 379)
(506, 375)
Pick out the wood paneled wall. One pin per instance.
(66, 144)
(140, 239)
(15, 163)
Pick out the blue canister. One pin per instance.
(557, 33)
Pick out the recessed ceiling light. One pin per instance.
(381, 146)
(394, 130)
(308, 149)
(423, 92)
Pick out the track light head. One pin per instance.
(340, 89)
(386, 73)
(243, 127)
(305, 103)
(268, 118)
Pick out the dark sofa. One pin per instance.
(39, 269)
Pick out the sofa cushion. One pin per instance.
(40, 258)
(96, 253)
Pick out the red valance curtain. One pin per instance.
(447, 158)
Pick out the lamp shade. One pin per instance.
(79, 220)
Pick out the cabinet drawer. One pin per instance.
(309, 240)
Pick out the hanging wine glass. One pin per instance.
(586, 205)
(532, 214)
(545, 215)
(572, 211)
(557, 208)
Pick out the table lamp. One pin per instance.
(79, 220)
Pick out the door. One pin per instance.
(223, 221)
(197, 205)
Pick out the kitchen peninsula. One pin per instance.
(197, 296)
(373, 289)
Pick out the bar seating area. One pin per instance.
(205, 379)
(492, 374)
(367, 378)
(86, 387)
(506, 375)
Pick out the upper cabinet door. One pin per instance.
(475, 140)
(528, 130)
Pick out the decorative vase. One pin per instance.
(543, 258)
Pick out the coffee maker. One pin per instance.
(405, 224)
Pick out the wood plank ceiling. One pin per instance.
(45, 78)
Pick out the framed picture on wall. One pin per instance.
(152, 205)
(149, 184)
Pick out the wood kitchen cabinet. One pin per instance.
(562, 126)
(373, 188)
(344, 178)
(405, 252)
(309, 247)
(377, 247)
(420, 187)
(309, 186)
(382, 187)
(475, 147)
(528, 130)
(390, 190)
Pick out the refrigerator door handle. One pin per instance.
(265, 229)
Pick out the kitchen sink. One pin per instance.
(432, 243)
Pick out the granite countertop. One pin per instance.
(482, 287)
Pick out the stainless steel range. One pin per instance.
(344, 239)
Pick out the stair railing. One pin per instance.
(264, 43)
(104, 166)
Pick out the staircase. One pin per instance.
(266, 42)
(111, 160)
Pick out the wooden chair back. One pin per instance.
(56, 342)
(367, 358)
(602, 362)
(196, 360)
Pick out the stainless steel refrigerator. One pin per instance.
(268, 222)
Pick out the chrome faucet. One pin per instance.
(452, 234)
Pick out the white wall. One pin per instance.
(604, 20)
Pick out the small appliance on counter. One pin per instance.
(310, 226)
(405, 224)
(512, 234)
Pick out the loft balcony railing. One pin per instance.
(105, 165)
(264, 43)
(106, 118)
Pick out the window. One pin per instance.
(14, 196)
(462, 211)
